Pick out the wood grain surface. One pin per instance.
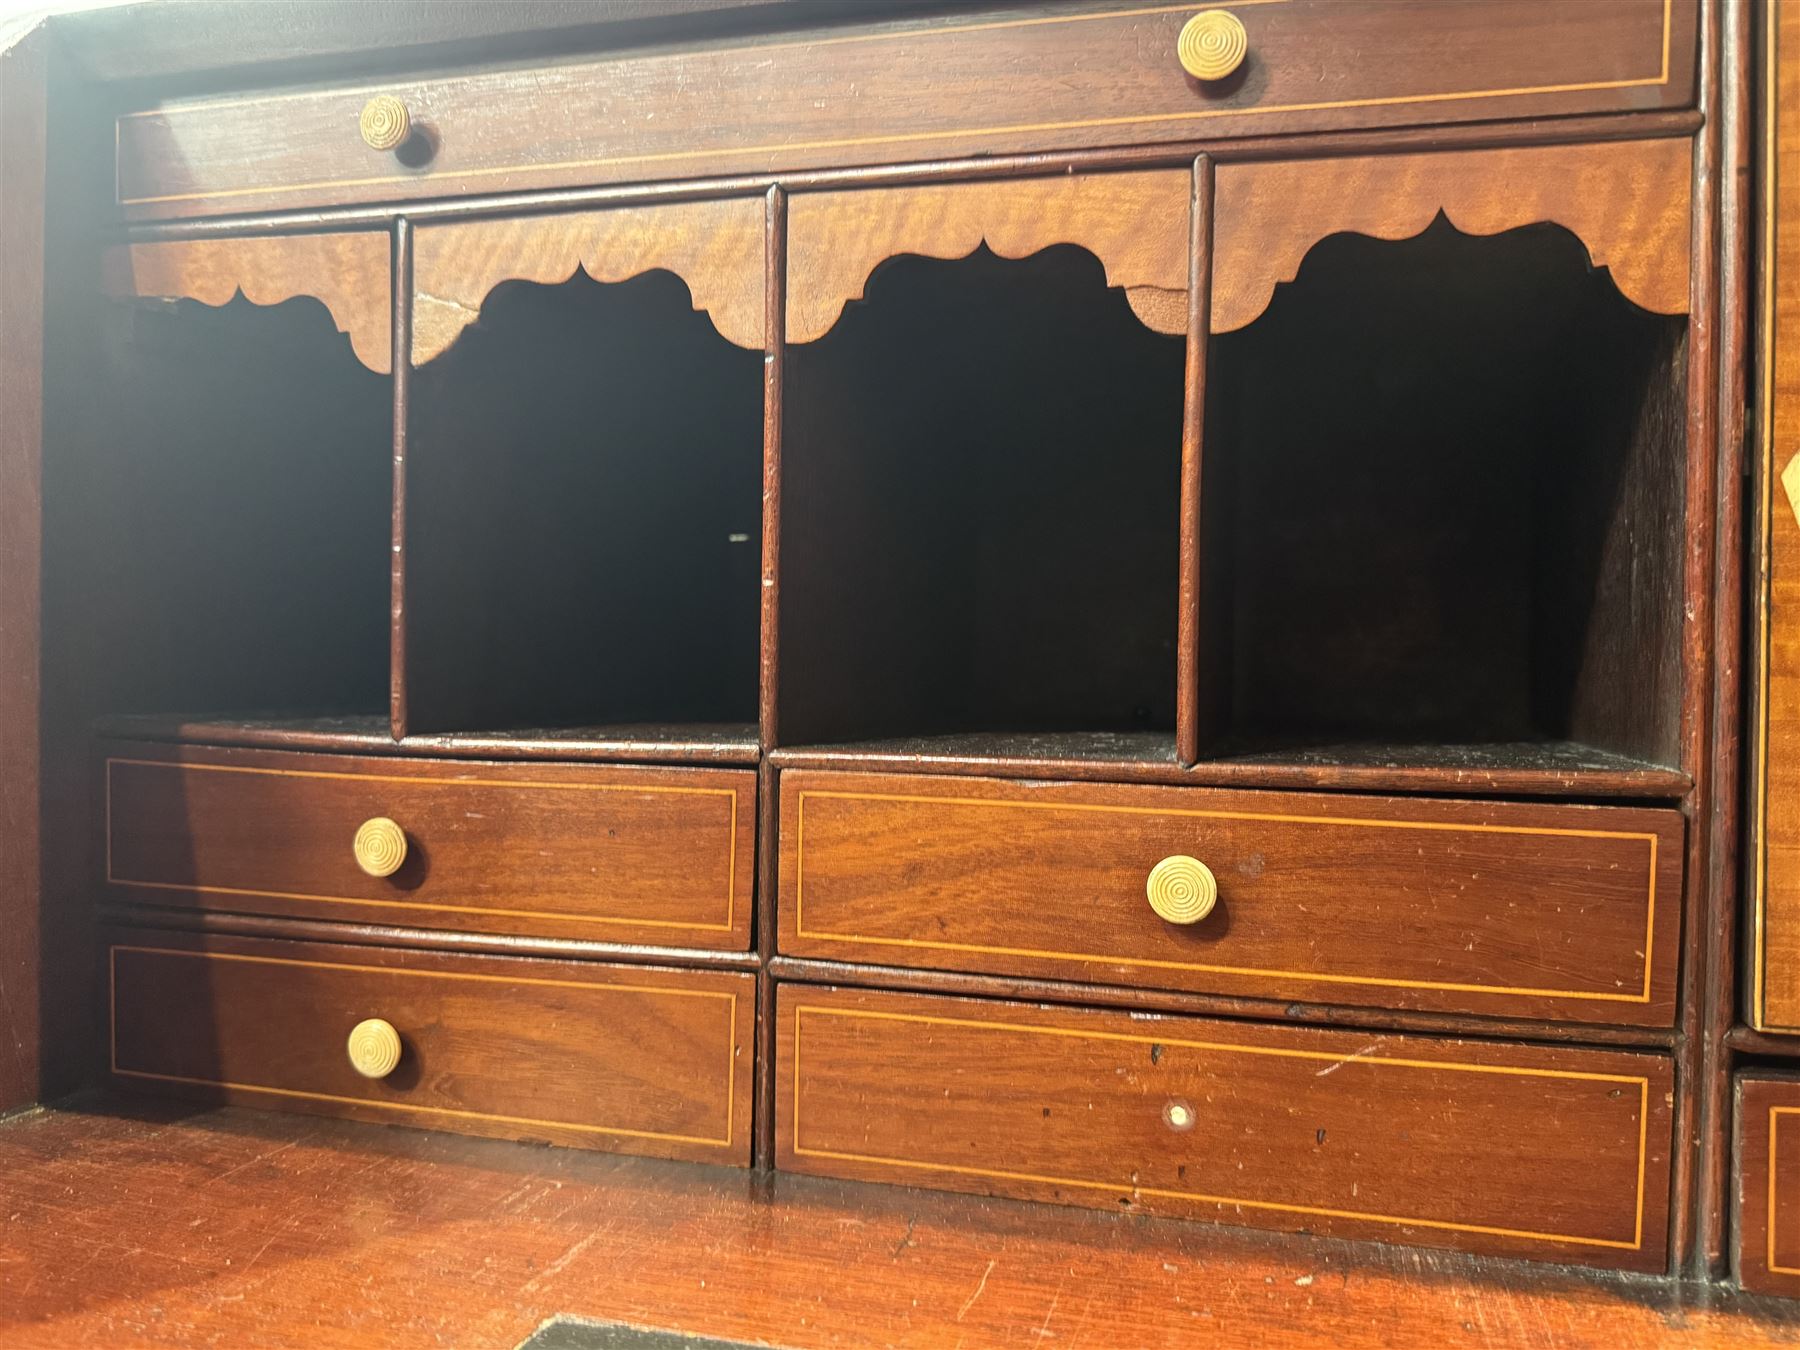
(1627, 202)
(1565, 912)
(1505, 768)
(655, 855)
(348, 273)
(369, 734)
(1773, 1001)
(1717, 959)
(629, 1058)
(1404, 1139)
(1135, 223)
(1036, 989)
(984, 83)
(1766, 1199)
(271, 1232)
(23, 114)
(716, 247)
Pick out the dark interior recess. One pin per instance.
(980, 510)
(584, 515)
(1442, 507)
(233, 479)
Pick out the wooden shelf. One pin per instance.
(1524, 768)
(686, 743)
(1536, 767)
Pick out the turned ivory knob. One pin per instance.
(374, 1048)
(1212, 44)
(1182, 889)
(380, 847)
(385, 124)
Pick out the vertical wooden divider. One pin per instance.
(1717, 986)
(24, 936)
(774, 359)
(1696, 640)
(402, 289)
(1193, 435)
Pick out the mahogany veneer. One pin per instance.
(882, 96)
(1767, 1191)
(633, 1059)
(622, 854)
(1564, 912)
(245, 1227)
(1556, 1153)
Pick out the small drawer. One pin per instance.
(629, 1059)
(1767, 1155)
(1495, 908)
(631, 855)
(982, 83)
(1553, 1154)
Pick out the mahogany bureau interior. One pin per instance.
(1107, 605)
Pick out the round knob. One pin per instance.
(374, 1048)
(1212, 44)
(1182, 889)
(385, 124)
(380, 847)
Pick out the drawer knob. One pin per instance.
(1182, 889)
(1212, 44)
(380, 847)
(385, 123)
(374, 1048)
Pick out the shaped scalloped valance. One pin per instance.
(1627, 201)
(716, 247)
(350, 274)
(1135, 223)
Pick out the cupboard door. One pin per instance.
(1774, 985)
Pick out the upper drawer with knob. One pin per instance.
(973, 83)
(655, 856)
(1569, 913)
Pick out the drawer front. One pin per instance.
(974, 84)
(1768, 1183)
(630, 1059)
(1491, 908)
(1554, 1154)
(655, 856)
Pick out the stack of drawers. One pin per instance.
(1509, 911)
(646, 1057)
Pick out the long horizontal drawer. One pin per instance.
(1555, 912)
(982, 83)
(630, 1059)
(640, 855)
(1553, 1154)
